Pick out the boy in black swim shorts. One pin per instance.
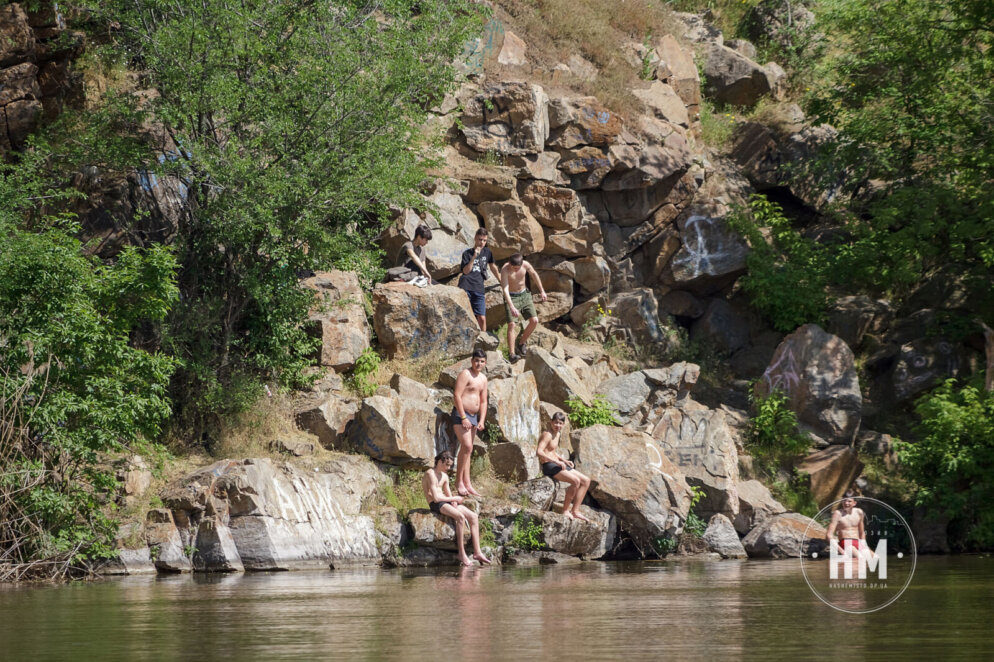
(557, 468)
(435, 484)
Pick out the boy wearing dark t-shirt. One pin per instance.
(412, 254)
(474, 275)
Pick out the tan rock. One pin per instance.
(433, 530)
(557, 381)
(785, 536)
(832, 471)
(338, 317)
(678, 69)
(632, 478)
(394, 430)
(512, 229)
(17, 41)
(664, 103)
(756, 504)
(576, 243)
(542, 166)
(509, 118)
(552, 206)
(512, 53)
(326, 418)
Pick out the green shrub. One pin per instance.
(695, 525)
(403, 492)
(787, 275)
(717, 127)
(954, 458)
(526, 534)
(364, 372)
(599, 412)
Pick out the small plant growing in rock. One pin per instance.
(695, 525)
(600, 411)
(664, 545)
(647, 71)
(189, 551)
(526, 534)
(365, 368)
(487, 537)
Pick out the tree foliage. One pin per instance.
(290, 125)
(953, 460)
(72, 386)
(910, 86)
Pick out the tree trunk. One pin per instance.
(989, 346)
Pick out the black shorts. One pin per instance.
(436, 507)
(550, 469)
(457, 419)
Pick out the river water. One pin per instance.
(685, 609)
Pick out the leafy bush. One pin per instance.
(599, 412)
(695, 525)
(717, 127)
(953, 460)
(73, 389)
(526, 534)
(786, 276)
(363, 373)
(404, 492)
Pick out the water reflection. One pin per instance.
(598, 611)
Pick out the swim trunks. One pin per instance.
(435, 507)
(854, 541)
(550, 469)
(457, 419)
(524, 303)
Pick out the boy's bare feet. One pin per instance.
(461, 490)
(466, 561)
(567, 514)
(482, 559)
(578, 516)
(473, 491)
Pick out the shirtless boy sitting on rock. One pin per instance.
(557, 468)
(518, 302)
(468, 417)
(441, 502)
(849, 520)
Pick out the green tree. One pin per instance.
(953, 460)
(291, 125)
(910, 86)
(73, 388)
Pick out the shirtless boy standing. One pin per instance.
(849, 521)
(555, 467)
(518, 301)
(441, 502)
(468, 415)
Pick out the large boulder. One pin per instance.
(732, 78)
(164, 542)
(756, 504)
(443, 254)
(558, 382)
(852, 318)
(338, 317)
(678, 70)
(700, 444)
(395, 430)
(785, 536)
(721, 538)
(711, 255)
(509, 118)
(721, 327)
(638, 312)
(633, 478)
(663, 101)
(431, 530)
(327, 418)
(591, 540)
(513, 406)
(411, 321)
(832, 471)
(816, 371)
(261, 515)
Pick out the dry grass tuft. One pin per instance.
(556, 29)
(249, 433)
(425, 369)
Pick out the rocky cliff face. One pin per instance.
(36, 51)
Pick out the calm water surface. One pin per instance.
(595, 611)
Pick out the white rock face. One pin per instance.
(255, 514)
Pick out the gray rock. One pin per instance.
(539, 492)
(732, 78)
(638, 312)
(431, 530)
(701, 445)
(720, 537)
(509, 118)
(681, 304)
(164, 542)
(722, 327)
(711, 255)
(756, 504)
(267, 516)
(831, 472)
(816, 371)
(327, 418)
(591, 540)
(513, 462)
(527, 559)
(852, 318)
(785, 536)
